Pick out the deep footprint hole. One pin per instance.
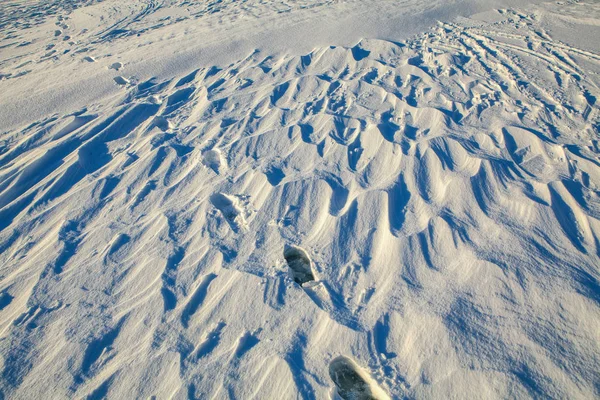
(300, 264)
(352, 382)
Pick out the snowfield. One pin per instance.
(326, 199)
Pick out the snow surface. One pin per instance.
(263, 199)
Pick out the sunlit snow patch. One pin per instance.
(214, 160)
(231, 209)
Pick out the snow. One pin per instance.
(299, 199)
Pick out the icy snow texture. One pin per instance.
(444, 189)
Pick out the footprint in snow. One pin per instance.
(232, 210)
(302, 271)
(352, 382)
(214, 160)
(116, 66)
(300, 264)
(122, 81)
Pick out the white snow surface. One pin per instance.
(434, 167)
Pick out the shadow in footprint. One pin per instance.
(211, 341)
(274, 175)
(320, 292)
(300, 264)
(352, 382)
(246, 342)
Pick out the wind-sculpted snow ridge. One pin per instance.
(437, 200)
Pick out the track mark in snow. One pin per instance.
(274, 292)
(210, 341)
(121, 80)
(214, 159)
(5, 300)
(398, 198)
(232, 210)
(162, 123)
(169, 278)
(320, 292)
(274, 175)
(69, 235)
(483, 139)
(381, 334)
(352, 382)
(300, 264)
(115, 251)
(245, 343)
